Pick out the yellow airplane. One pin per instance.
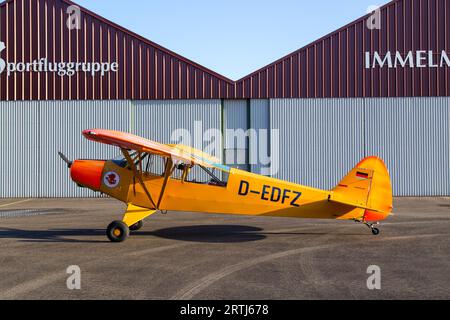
(364, 195)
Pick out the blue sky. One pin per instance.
(231, 37)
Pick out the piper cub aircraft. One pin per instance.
(364, 195)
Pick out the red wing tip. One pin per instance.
(89, 133)
(94, 132)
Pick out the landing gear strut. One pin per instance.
(138, 225)
(375, 231)
(118, 231)
(371, 226)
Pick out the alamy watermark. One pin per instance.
(61, 68)
(374, 280)
(74, 19)
(242, 147)
(374, 21)
(73, 282)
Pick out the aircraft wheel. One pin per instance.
(375, 231)
(117, 231)
(138, 225)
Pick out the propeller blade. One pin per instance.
(64, 158)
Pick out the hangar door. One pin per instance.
(236, 141)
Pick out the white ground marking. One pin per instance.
(159, 249)
(13, 203)
(195, 288)
(28, 286)
(190, 291)
(25, 287)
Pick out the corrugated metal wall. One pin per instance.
(157, 120)
(33, 132)
(170, 121)
(322, 139)
(19, 141)
(412, 136)
(260, 121)
(236, 121)
(59, 126)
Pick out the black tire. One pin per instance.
(375, 231)
(117, 231)
(138, 225)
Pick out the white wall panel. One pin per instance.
(412, 136)
(320, 139)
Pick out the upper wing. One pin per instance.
(194, 153)
(176, 152)
(200, 157)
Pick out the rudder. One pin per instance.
(367, 186)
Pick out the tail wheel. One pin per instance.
(117, 231)
(375, 231)
(138, 225)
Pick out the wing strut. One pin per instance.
(168, 172)
(138, 176)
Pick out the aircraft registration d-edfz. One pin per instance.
(364, 195)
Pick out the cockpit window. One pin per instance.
(150, 164)
(146, 163)
(120, 161)
(201, 175)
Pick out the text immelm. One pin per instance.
(417, 59)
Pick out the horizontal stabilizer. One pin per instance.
(353, 204)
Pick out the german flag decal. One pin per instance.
(362, 175)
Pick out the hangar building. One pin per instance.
(378, 86)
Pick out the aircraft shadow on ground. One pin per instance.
(209, 233)
(200, 233)
(52, 235)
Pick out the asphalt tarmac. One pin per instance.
(199, 256)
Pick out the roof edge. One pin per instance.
(141, 38)
(149, 42)
(328, 35)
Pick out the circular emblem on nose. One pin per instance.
(111, 179)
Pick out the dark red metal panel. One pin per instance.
(334, 66)
(36, 29)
